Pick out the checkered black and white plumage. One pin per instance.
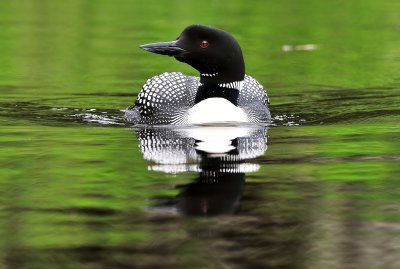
(166, 99)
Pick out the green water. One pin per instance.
(77, 192)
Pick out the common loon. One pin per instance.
(223, 93)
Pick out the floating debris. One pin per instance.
(305, 47)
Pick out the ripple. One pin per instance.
(94, 118)
(287, 120)
(47, 115)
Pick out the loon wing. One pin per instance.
(254, 100)
(164, 99)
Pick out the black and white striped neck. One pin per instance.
(210, 75)
(211, 78)
(228, 78)
(238, 85)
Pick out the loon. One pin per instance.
(222, 93)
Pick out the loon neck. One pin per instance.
(217, 79)
(230, 85)
(232, 70)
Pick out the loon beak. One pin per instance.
(164, 48)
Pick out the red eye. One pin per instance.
(204, 44)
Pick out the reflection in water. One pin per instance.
(218, 154)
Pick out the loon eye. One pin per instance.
(204, 44)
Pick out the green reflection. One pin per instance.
(79, 193)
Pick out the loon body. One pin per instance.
(222, 93)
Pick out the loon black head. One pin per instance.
(213, 52)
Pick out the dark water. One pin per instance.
(319, 188)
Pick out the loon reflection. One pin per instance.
(219, 154)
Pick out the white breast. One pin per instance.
(215, 109)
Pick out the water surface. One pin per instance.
(318, 189)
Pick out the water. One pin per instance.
(80, 188)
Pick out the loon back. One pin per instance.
(223, 93)
(170, 98)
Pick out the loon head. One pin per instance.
(213, 52)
